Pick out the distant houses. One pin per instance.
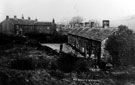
(16, 26)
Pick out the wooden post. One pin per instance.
(61, 46)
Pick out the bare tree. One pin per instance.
(76, 20)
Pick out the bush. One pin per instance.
(71, 63)
(42, 63)
(33, 43)
(23, 64)
(58, 74)
(11, 39)
(29, 63)
(82, 65)
(48, 38)
(53, 65)
(66, 62)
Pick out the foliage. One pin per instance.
(10, 39)
(57, 74)
(120, 46)
(66, 62)
(42, 63)
(47, 38)
(76, 20)
(82, 65)
(23, 64)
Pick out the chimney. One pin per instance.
(36, 20)
(86, 24)
(7, 17)
(28, 18)
(81, 24)
(53, 20)
(105, 23)
(22, 17)
(92, 24)
(15, 17)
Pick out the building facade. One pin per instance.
(89, 41)
(15, 26)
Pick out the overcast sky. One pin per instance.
(45, 10)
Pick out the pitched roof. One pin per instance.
(44, 23)
(28, 22)
(97, 34)
(73, 31)
(22, 21)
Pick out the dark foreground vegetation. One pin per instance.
(24, 61)
(121, 46)
(48, 38)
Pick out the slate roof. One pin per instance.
(28, 22)
(44, 23)
(22, 21)
(98, 34)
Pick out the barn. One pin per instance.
(16, 26)
(90, 41)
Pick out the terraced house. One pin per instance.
(89, 41)
(16, 26)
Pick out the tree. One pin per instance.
(76, 20)
(120, 46)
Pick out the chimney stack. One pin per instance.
(81, 24)
(7, 17)
(15, 17)
(36, 20)
(22, 17)
(92, 24)
(106, 24)
(28, 18)
(86, 24)
(53, 20)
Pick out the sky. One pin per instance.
(64, 10)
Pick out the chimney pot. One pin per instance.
(92, 24)
(7, 17)
(106, 24)
(28, 18)
(81, 24)
(86, 24)
(36, 20)
(15, 17)
(53, 20)
(22, 17)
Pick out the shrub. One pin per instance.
(42, 63)
(66, 62)
(23, 64)
(57, 74)
(82, 65)
(53, 65)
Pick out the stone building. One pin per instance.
(90, 41)
(16, 26)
